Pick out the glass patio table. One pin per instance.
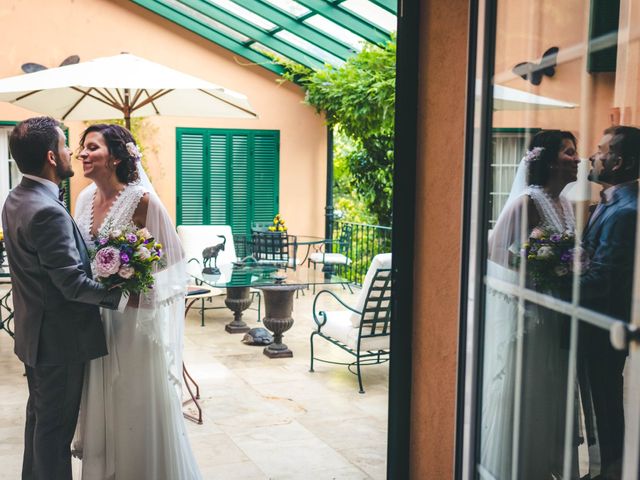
(277, 285)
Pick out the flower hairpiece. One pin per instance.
(533, 154)
(133, 151)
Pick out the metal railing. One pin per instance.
(366, 242)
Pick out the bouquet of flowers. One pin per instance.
(550, 258)
(125, 258)
(278, 224)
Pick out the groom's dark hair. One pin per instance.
(625, 143)
(31, 140)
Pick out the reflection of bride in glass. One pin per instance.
(550, 163)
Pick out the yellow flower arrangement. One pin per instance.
(278, 224)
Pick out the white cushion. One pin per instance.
(330, 258)
(195, 238)
(339, 326)
(382, 260)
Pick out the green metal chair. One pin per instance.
(364, 330)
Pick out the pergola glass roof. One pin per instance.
(309, 32)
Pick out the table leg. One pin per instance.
(194, 396)
(278, 305)
(237, 300)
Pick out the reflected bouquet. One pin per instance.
(125, 258)
(551, 258)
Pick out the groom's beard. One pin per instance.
(63, 171)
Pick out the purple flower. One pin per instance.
(131, 238)
(103, 241)
(107, 262)
(566, 257)
(556, 237)
(124, 258)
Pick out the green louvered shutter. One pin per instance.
(265, 176)
(227, 177)
(191, 195)
(240, 205)
(218, 154)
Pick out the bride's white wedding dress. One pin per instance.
(131, 424)
(542, 393)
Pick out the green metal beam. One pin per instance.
(390, 6)
(180, 18)
(348, 20)
(296, 26)
(256, 34)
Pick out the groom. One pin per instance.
(57, 320)
(606, 287)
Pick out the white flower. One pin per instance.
(144, 233)
(561, 270)
(533, 154)
(115, 233)
(545, 252)
(133, 151)
(143, 252)
(126, 271)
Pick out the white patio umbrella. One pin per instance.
(507, 98)
(122, 85)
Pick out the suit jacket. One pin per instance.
(57, 319)
(610, 242)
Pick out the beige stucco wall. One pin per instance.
(46, 32)
(439, 176)
(525, 30)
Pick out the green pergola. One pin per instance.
(309, 32)
(312, 33)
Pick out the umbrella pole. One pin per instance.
(127, 110)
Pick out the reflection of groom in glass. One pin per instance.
(606, 286)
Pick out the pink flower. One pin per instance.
(537, 233)
(126, 271)
(107, 262)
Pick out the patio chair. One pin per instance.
(275, 248)
(335, 252)
(195, 239)
(364, 330)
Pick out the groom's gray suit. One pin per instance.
(57, 321)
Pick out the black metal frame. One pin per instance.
(403, 243)
(375, 321)
(275, 248)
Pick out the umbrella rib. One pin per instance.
(135, 98)
(107, 93)
(86, 93)
(150, 99)
(228, 102)
(101, 98)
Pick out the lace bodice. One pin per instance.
(555, 216)
(119, 215)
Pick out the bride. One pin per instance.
(131, 423)
(535, 201)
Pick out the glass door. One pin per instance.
(553, 372)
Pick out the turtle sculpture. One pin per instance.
(258, 336)
(212, 252)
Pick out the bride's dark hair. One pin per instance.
(117, 138)
(551, 142)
